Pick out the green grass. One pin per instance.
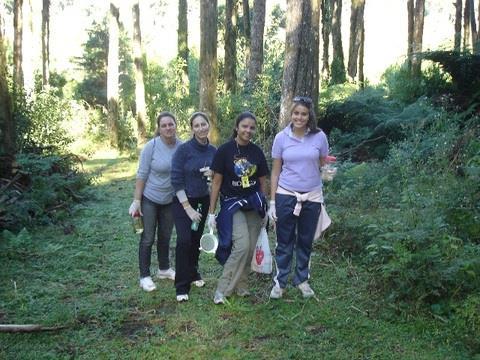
(84, 275)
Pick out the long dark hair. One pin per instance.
(308, 103)
(240, 117)
(198, 113)
(160, 117)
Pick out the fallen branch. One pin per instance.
(14, 328)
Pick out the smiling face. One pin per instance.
(167, 128)
(200, 128)
(245, 130)
(300, 114)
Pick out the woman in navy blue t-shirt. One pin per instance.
(240, 171)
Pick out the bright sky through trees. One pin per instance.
(385, 29)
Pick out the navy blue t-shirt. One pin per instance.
(236, 162)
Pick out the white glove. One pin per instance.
(206, 171)
(194, 215)
(272, 213)
(135, 208)
(211, 222)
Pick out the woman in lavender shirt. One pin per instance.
(298, 151)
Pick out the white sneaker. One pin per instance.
(183, 297)
(218, 298)
(306, 289)
(166, 274)
(276, 293)
(199, 283)
(147, 284)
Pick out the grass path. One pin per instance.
(84, 275)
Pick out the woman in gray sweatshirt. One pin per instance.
(153, 199)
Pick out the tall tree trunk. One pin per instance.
(410, 25)
(256, 55)
(18, 44)
(139, 70)
(326, 8)
(338, 75)
(230, 68)
(356, 26)
(298, 69)
(45, 43)
(246, 28)
(418, 37)
(466, 26)
(458, 25)
(208, 63)
(361, 56)
(473, 26)
(28, 47)
(182, 38)
(7, 125)
(112, 74)
(316, 51)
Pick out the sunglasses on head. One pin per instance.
(303, 99)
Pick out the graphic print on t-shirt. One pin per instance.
(244, 170)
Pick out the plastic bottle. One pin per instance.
(195, 224)
(137, 223)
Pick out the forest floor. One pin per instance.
(83, 275)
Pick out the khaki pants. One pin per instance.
(246, 228)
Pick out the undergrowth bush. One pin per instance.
(413, 219)
(42, 123)
(51, 184)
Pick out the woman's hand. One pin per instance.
(211, 222)
(194, 215)
(135, 208)
(272, 213)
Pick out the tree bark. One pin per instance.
(410, 25)
(230, 68)
(326, 9)
(316, 4)
(338, 75)
(182, 38)
(473, 26)
(466, 26)
(356, 26)
(361, 56)
(15, 328)
(18, 44)
(7, 125)
(256, 53)
(298, 71)
(113, 73)
(46, 43)
(418, 37)
(458, 25)
(208, 63)
(246, 27)
(139, 71)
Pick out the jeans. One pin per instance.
(159, 218)
(188, 244)
(246, 228)
(294, 232)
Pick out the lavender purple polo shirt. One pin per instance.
(300, 159)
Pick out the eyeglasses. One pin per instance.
(303, 99)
